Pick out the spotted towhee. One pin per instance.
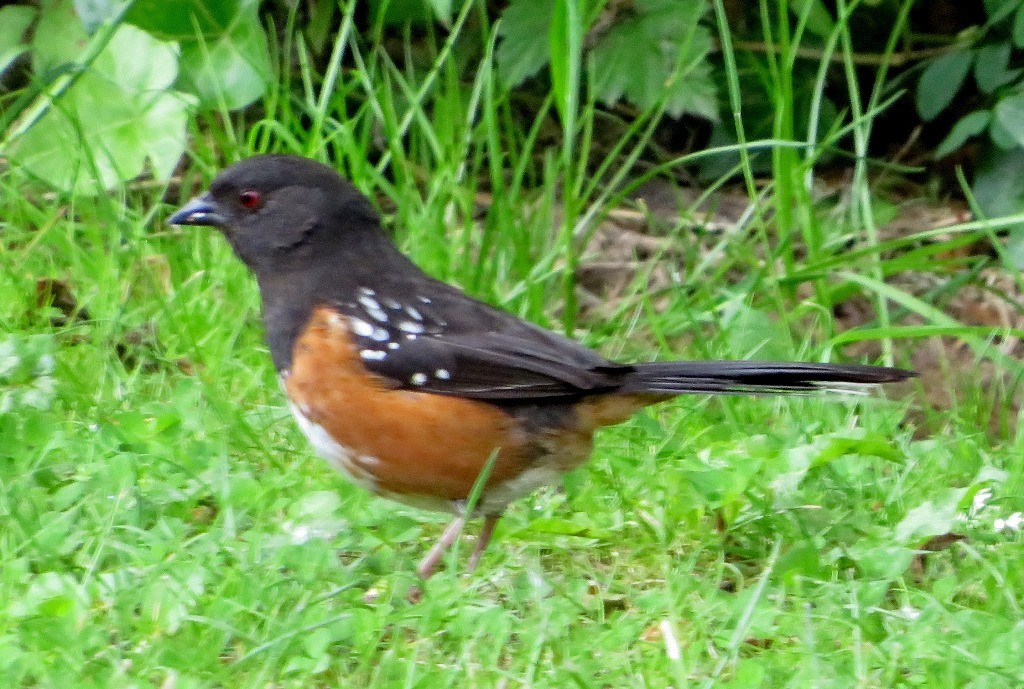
(410, 387)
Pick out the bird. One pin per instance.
(412, 388)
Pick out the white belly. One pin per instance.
(355, 467)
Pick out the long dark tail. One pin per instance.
(754, 377)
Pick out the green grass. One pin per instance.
(163, 524)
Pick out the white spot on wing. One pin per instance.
(410, 327)
(373, 354)
(425, 300)
(380, 335)
(392, 345)
(442, 373)
(373, 308)
(362, 328)
(413, 313)
(418, 378)
(367, 291)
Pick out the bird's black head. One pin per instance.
(278, 210)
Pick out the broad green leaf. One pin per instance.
(969, 125)
(160, 132)
(58, 38)
(819, 19)
(179, 21)
(14, 22)
(135, 62)
(930, 518)
(320, 25)
(991, 67)
(1001, 136)
(316, 504)
(93, 13)
(660, 55)
(999, 190)
(1009, 112)
(880, 561)
(940, 82)
(231, 64)
(118, 114)
(223, 46)
(521, 51)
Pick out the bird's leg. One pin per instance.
(486, 531)
(451, 533)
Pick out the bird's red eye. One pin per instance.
(250, 199)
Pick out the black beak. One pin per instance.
(201, 210)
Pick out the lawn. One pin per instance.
(164, 524)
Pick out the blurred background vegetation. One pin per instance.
(97, 92)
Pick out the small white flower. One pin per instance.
(910, 612)
(1012, 523)
(298, 533)
(981, 499)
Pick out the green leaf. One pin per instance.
(999, 189)
(1009, 112)
(14, 22)
(880, 561)
(118, 114)
(991, 68)
(930, 518)
(520, 54)
(969, 125)
(940, 82)
(566, 40)
(236, 67)
(1000, 136)
(179, 21)
(443, 10)
(1018, 27)
(57, 39)
(223, 47)
(321, 503)
(93, 13)
(819, 19)
(658, 56)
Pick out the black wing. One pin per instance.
(451, 344)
